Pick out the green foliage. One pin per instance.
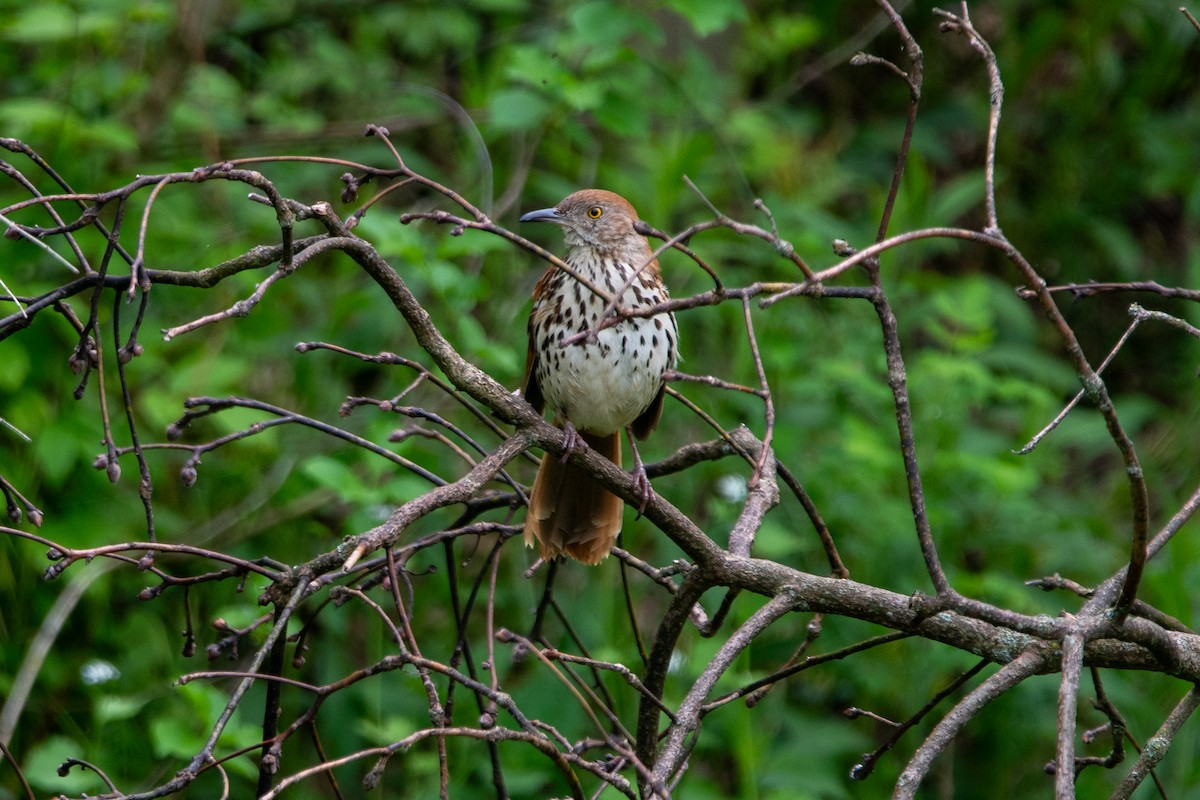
(514, 104)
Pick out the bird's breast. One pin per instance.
(603, 383)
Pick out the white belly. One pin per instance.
(603, 386)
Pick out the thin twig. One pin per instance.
(1157, 745)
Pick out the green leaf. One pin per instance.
(709, 16)
(604, 24)
(111, 708)
(41, 23)
(333, 474)
(41, 767)
(16, 367)
(21, 116)
(516, 109)
(391, 728)
(953, 200)
(214, 101)
(60, 452)
(175, 736)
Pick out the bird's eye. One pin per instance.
(595, 212)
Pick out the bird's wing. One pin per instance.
(648, 419)
(530, 389)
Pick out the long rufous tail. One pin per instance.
(569, 512)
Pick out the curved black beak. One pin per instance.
(542, 215)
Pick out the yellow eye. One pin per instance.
(595, 212)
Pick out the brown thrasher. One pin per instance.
(598, 385)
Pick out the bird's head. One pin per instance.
(592, 218)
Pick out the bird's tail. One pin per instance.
(569, 512)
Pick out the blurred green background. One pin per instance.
(515, 104)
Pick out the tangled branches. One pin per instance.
(450, 633)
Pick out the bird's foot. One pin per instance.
(641, 479)
(643, 486)
(572, 442)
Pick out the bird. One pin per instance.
(596, 385)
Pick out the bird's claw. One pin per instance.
(572, 442)
(643, 488)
